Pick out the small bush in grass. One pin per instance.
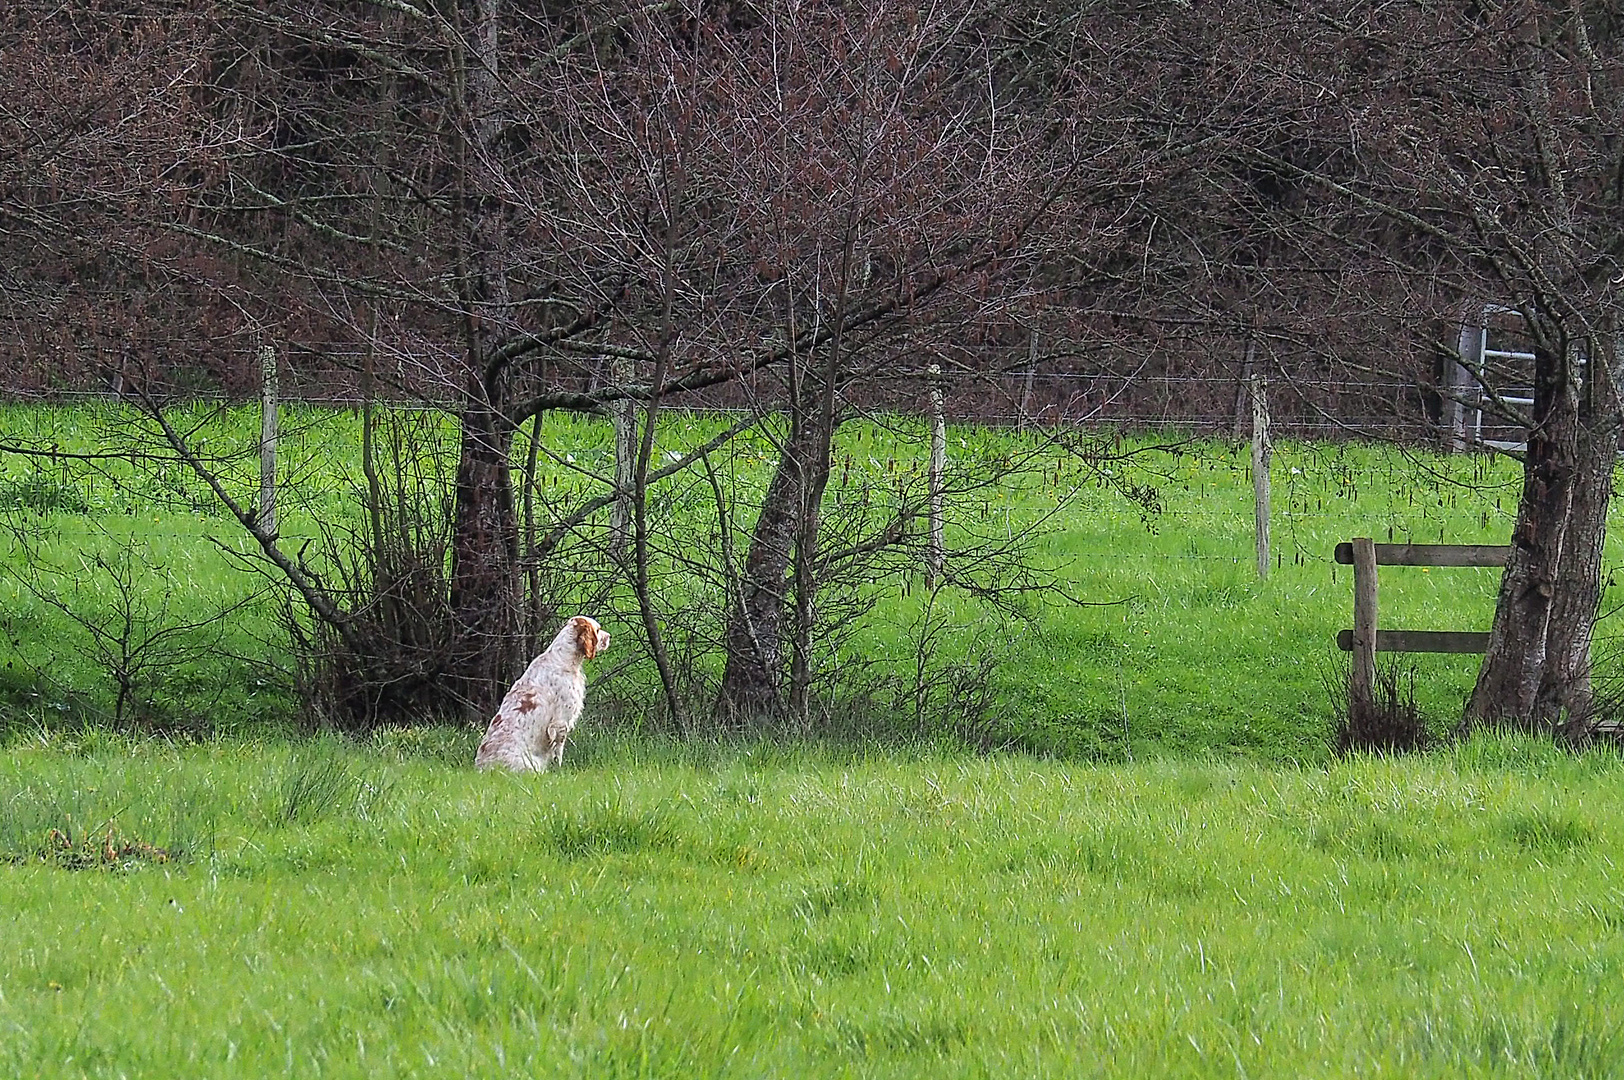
(1389, 723)
(41, 493)
(390, 668)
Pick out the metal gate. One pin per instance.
(1490, 392)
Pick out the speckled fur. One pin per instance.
(530, 730)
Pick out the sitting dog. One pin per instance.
(529, 731)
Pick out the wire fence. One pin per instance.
(1207, 405)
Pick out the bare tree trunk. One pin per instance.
(484, 557)
(784, 536)
(1564, 697)
(815, 468)
(485, 587)
(1514, 663)
(754, 639)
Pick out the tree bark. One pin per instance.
(485, 585)
(485, 607)
(815, 467)
(754, 639)
(1564, 697)
(1514, 663)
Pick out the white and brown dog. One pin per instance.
(529, 731)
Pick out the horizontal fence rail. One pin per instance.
(1364, 641)
(1434, 641)
(1431, 554)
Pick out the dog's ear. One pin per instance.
(586, 632)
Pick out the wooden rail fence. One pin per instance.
(1365, 640)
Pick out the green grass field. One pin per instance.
(1171, 877)
(1183, 651)
(380, 910)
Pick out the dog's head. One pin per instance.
(591, 637)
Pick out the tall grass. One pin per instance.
(761, 910)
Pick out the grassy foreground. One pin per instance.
(326, 909)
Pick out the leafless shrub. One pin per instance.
(1390, 723)
(388, 576)
(128, 616)
(1602, 717)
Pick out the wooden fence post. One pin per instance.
(937, 557)
(1262, 452)
(1362, 676)
(268, 428)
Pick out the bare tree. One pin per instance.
(103, 141)
(857, 187)
(1470, 154)
(118, 601)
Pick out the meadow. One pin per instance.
(1164, 871)
(1158, 637)
(377, 909)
